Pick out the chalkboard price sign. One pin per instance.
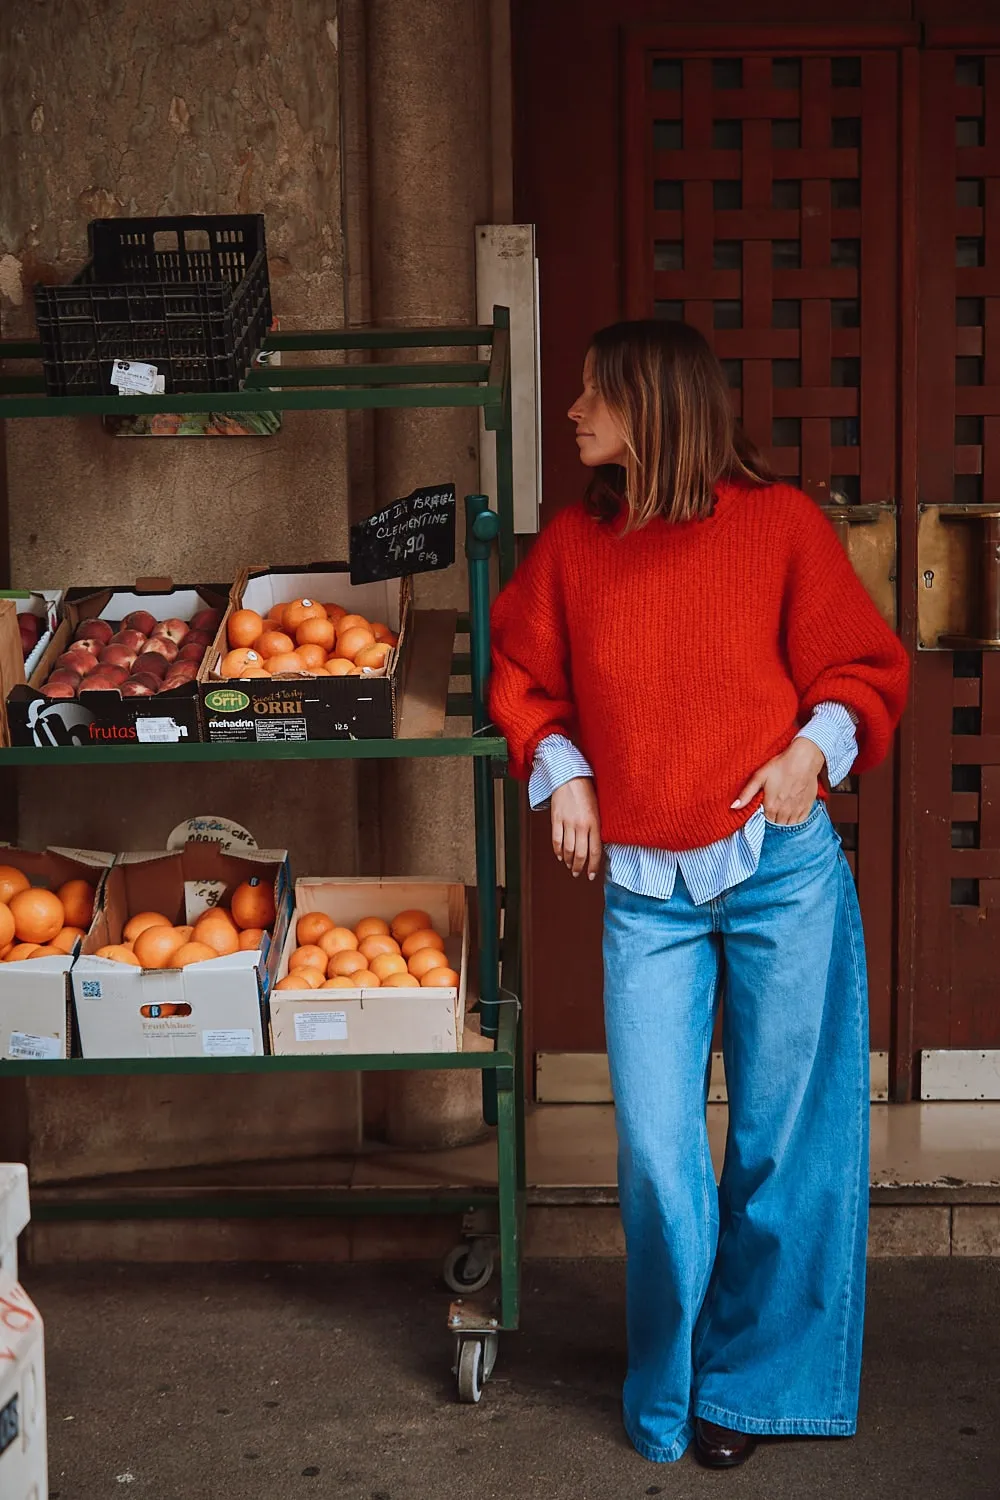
(413, 535)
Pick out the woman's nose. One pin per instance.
(574, 412)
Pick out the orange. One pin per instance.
(155, 947)
(273, 643)
(38, 915)
(313, 632)
(218, 932)
(400, 982)
(364, 979)
(350, 642)
(20, 952)
(308, 957)
(11, 881)
(409, 921)
(371, 947)
(373, 657)
(64, 940)
(288, 661)
(426, 959)
(245, 625)
(337, 940)
(335, 612)
(77, 897)
(119, 954)
(346, 963)
(339, 982)
(311, 657)
(384, 964)
(254, 672)
(307, 978)
(253, 903)
(234, 663)
(371, 927)
(185, 933)
(383, 634)
(338, 666)
(47, 951)
(351, 622)
(192, 953)
(440, 979)
(5, 950)
(311, 927)
(6, 927)
(141, 921)
(299, 611)
(276, 611)
(250, 940)
(424, 937)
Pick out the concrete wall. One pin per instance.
(176, 106)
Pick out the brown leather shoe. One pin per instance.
(721, 1447)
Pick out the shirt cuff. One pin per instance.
(832, 729)
(557, 760)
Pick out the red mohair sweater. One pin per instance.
(682, 657)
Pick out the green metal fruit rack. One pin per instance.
(494, 1219)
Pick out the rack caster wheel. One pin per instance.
(468, 1268)
(476, 1358)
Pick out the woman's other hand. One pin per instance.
(788, 783)
(576, 826)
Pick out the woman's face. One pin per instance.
(598, 438)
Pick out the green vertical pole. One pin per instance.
(481, 527)
(505, 489)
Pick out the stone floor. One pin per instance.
(273, 1382)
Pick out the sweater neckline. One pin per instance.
(726, 493)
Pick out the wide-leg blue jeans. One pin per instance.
(745, 1304)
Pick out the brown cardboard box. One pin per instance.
(211, 1009)
(383, 1020)
(14, 669)
(306, 707)
(35, 994)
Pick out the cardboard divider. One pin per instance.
(303, 706)
(15, 668)
(35, 1010)
(217, 1008)
(375, 1020)
(101, 717)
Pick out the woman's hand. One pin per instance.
(576, 826)
(788, 783)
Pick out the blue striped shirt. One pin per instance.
(718, 867)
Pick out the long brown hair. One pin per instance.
(666, 391)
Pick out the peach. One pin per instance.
(94, 630)
(161, 645)
(78, 659)
(133, 639)
(58, 690)
(150, 661)
(192, 650)
(172, 630)
(141, 620)
(139, 687)
(117, 656)
(208, 620)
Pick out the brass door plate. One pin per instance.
(868, 536)
(948, 583)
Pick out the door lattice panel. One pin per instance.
(761, 205)
(957, 694)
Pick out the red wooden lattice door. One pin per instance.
(761, 205)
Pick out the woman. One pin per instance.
(678, 661)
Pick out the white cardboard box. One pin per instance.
(374, 1021)
(15, 1212)
(211, 1009)
(23, 1467)
(35, 994)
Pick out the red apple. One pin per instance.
(161, 646)
(172, 630)
(133, 639)
(192, 651)
(138, 687)
(208, 620)
(117, 656)
(153, 662)
(94, 630)
(30, 630)
(77, 659)
(58, 690)
(141, 620)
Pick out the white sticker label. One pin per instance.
(201, 895)
(227, 1043)
(22, 1044)
(157, 731)
(130, 376)
(321, 1026)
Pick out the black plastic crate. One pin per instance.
(188, 294)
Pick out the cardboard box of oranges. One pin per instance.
(306, 655)
(396, 965)
(48, 899)
(152, 981)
